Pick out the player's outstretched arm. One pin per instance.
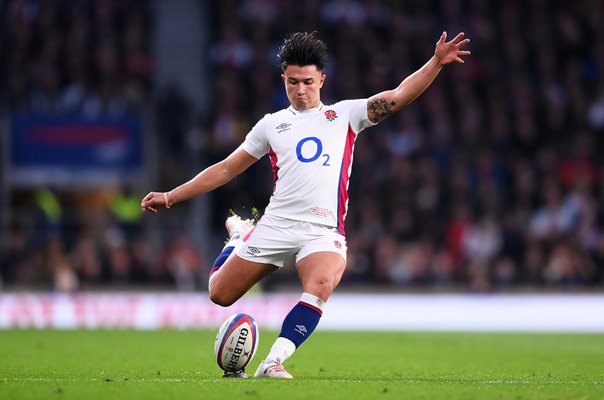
(207, 180)
(385, 103)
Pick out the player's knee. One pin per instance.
(220, 297)
(322, 288)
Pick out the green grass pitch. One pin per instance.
(171, 364)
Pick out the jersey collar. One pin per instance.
(292, 110)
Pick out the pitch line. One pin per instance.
(219, 379)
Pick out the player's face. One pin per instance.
(303, 86)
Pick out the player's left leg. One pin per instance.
(320, 273)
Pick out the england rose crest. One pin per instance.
(330, 115)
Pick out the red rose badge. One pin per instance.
(330, 115)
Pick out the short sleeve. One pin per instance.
(359, 119)
(256, 141)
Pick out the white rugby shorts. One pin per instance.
(278, 241)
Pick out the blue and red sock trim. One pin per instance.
(222, 257)
(315, 308)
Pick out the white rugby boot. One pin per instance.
(238, 227)
(272, 369)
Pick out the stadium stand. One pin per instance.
(491, 181)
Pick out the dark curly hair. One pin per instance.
(303, 48)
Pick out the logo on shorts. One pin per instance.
(337, 244)
(253, 251)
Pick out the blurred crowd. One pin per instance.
(86, 58)
(92, 60)
(491, 180)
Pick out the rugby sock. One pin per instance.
(298, 325)
(222, 257)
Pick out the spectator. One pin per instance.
(490, 179)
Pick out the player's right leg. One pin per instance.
(232, 276)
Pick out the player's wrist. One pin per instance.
(436, 61)
(168, 202)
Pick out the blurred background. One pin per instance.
(492, 181)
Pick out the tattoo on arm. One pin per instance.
(381, 108)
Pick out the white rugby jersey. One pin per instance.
(311, 155)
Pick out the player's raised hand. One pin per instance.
(448, 52)
(154, 201)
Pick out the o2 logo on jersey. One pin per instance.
(307, 144)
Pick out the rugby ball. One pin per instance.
(236, 342)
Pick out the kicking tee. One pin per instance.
(311, 155)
